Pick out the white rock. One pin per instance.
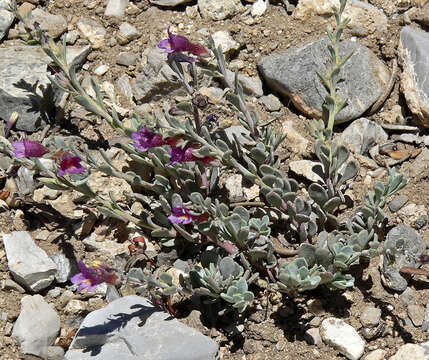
(75, 307)
(37, 326)
(259, 7)
(30, 265)
(92, 31)
(378, 354)
(234, 186)
(294, 140)
(101, 70)
(127, 32)
(224, 39)
(116, 8)
(343, 337)
(304, 168)
(219, 9)
(6, 17)
(408, 352)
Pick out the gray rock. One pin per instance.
(30, 265)
(23, 69)
(156, 79)
(131, 328)
(413, 247)
(293, 74)
(234, 186)
(304, 168)
(55, 25)
(224, 39)
(408, 297)
(425, 324)
(398, 202)
(370, 316)
(64, 268)
(76, 55)
(416, 314)
(343, 337)
(126, 33)
(362, 134)
(71, 37)
(169, 3)
(251, 85)
(417, 170)
(55, 353)
(37, 326)
(312, 336)
(6, 18)
(378, 354)
(219, 9)
(408, 352)
(127, 59)
(271, 102)
(116, 8)
(125, 87)
(9, 284)
(414, 51)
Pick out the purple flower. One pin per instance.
(27, 148)
(90, 277)
(146, 139)
(182, 215)
(178, 44)
(179, 57)
(178, 154)
(70, 164)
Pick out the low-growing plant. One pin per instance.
(184, 160)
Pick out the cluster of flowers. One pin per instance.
(90, 277)
(68, 163)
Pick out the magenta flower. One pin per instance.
(178, 44)
(145, 139)
(182, 215)
(90, 277)
(178, 154)
(28, 148)
(70, 164)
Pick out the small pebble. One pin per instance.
(397, 203)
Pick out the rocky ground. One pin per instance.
(385, 81)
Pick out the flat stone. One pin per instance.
(131, 328)
(416, 314)
(408, 297)
(271, 102)
(312, 336)
(417, 169)
(362, 134)
(169, 3)
(110, 247)
(29, 265)
(75, 307)
(224, 39)
(294, 140)
(93, 31)
(9, 284)
(414, 51)
(124, 86)
(219, 9)
(76, 55)
(55, 353)
(292, 74)
(370, 316)
(6, 18)
(101, 70)
(408, 352)
(234, 186)
(343, 337)
(398, 202)
(64, 268)
(126, 33)
(251, 85)
(378, 354)
(37, 326)
(116, 8)
(304, 168)
(55, 25)
(23, 70)
(127, 59)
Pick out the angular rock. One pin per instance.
(125, 87)
(93, 31)
(25, 87)
(235, 188)
(64, 267)
(126, 33)
(55, 353)
(76, 55)
(304, 168)
(127, 59)
(425, 324)
(370, 316)
(225, 40)
(259, 7)
(131, 328)
(30, 265)
(156, 79)
(312, 336)
(343, 337)
(398, 202)
(378, 354)
(362, 134)
(293, 74)
(418, 169)
(219, 9)
(6, 18)
(55, 25)
(414, 51)
(271, 102)
(37, 326)
(169, 3)
(416, 314)
(251, 85)
(414, 246)
(294, 140)
(408, 297)
(408, 352)
(116, 8)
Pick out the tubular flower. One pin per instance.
(182, 215)
(178, 154)
(28, 148)
(177, 44)
(70, 164)
(90, 277)
(145, 139)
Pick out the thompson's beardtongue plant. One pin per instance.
(70, 164)
(182, 215)
(185, 154)
(90, 277)
(29, 149)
